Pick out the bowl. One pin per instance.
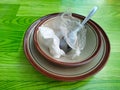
(91, 49)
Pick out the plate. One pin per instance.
(65, 73)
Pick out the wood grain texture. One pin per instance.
(16, 73)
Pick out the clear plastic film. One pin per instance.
(60, 27)
(68, 25)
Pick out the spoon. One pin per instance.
(69, 42)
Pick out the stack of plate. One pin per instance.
(68, 71)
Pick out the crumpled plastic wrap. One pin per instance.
(65, 25)
(51, 41)
(69, 24)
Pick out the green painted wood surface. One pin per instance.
(16, 73)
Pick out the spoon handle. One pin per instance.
(89, 15)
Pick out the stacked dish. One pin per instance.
(91, 60)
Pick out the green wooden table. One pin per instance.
(16, 73)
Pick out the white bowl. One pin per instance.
(92, 47)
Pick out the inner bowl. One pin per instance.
(93, 42)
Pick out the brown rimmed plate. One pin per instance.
(65, 73)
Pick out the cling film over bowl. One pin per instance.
(60, 39)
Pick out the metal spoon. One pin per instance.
(67, 44)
